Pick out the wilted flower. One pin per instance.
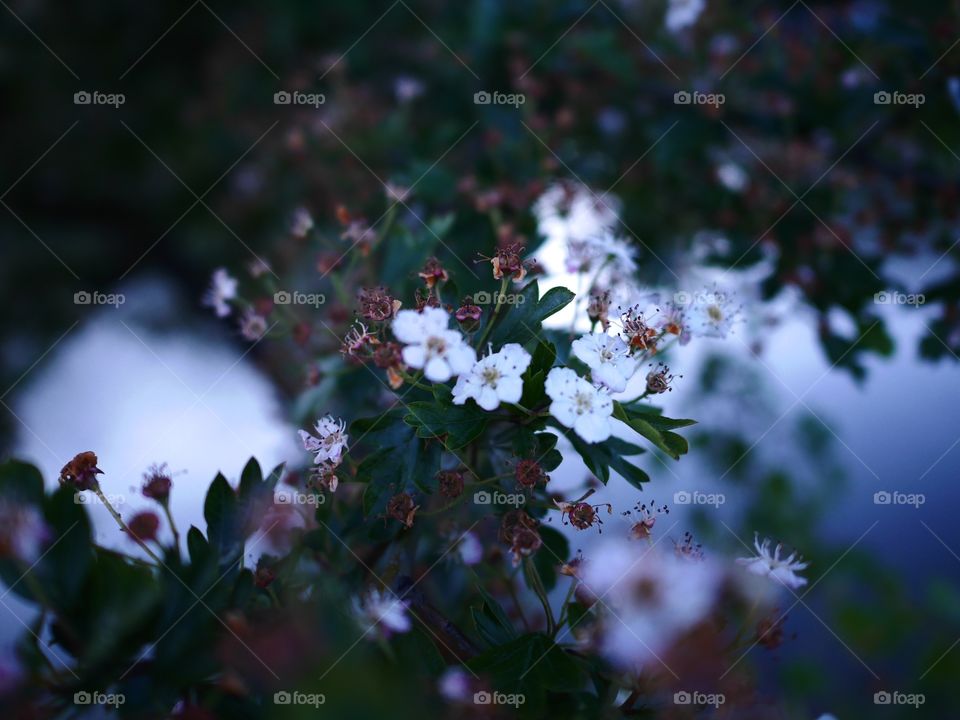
(581, 515)
(659, 379)
(508, 261)
(579, 405)
(770, 564)
(330, 440)
(519, 530)
(223, 288)
(358, 341)
(646, 518)
(598, 309)
(433, 272)
(22, 531)
(144, 526)
(770, 630)
(377, 305)
(402, 507)
(157, 483)
(264, 575)
(376, 609)
(81, 472)
(638, 333)
(608, 358)
(529, 473)
(468, 315)
(494, 379)
(441, 353)
(301, 223)
(450, 482)
(688, 549)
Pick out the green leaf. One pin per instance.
(406, 461)
(555, 551)
(220, 512)
(522, 321)
(461, 424)
(671, 443)
(600, 458)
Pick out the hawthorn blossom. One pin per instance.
(23, 531)
(329, 441)
(683, 13)
(253, 325)
(301, 223)
(494, 379)
(771, 565)
(608, 358)
(376, 608)
(223, 288)
(579, 405)
(716, 314)
(655, 598)
(431, 346)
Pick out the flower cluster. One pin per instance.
(328, 444)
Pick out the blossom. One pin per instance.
(22, 531)
(455, 685)
(223, 288)
(716, 313)
(144, 526)
(683, 13)
(377, 609)
(157, 483)
(470, 549)
(494, 379)
(329, 442)
(253, 325)
(440, 352)
(783, 570)
(654, 596)
(301, 223)
(733, 177)
(579, 405)
(608, 358)
(81, 472)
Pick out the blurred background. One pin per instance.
(803, 157)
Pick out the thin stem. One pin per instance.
(504, 283)
(173, 525)
(123, 526)
(537, 586)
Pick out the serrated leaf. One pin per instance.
(457, 425)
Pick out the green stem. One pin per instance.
(123, 526)
(173, 525)
(504, 284)
(536, 584)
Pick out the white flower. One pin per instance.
(376, 608)
(301, 224)
(431, 346)
(683, 13)
(579, 405)
(470, 549)
(608, 358)
(494, 379)
(455, 685)
(653, 595)
(783, 570)
(22, 532)
(733, 177)
(223, 288)
(329, 441)
(715, 313)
